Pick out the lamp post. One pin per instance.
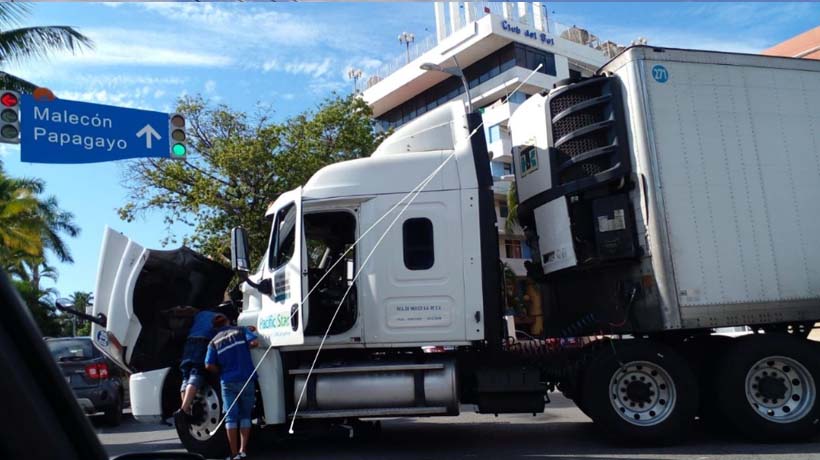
(406, 38)
(355, 74)
(455, 71)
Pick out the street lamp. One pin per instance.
(354, 74)
(406, 38)
(455, 71)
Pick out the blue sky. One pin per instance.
(290, 56)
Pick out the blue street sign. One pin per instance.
(61, 131)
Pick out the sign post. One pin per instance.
(62, 131)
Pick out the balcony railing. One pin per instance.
(571, 33)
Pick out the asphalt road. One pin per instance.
(562, 433)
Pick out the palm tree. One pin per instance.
(29, 225)
(23, 43)
(20, 227)
(80, 300)
(512, 209)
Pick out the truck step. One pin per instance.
(378, 412)
(364, 369)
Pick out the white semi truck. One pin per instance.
(673, 193)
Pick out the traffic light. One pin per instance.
(176, 132)
(9, 117)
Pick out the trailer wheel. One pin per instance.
(641, 392)
(768, 387)
(195, 432)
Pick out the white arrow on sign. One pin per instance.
(149, 132)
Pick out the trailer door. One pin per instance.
(281, 319)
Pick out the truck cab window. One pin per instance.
(328, 235)
(282, 237)
(417, 236)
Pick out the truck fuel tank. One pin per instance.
(379, 387)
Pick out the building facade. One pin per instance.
(506, 52)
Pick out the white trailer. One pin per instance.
(666, 196)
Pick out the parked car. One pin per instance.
(98, 384)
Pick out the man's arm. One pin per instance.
(211, 359)
(251, 338)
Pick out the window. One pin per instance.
(517, 97)
(283, 237)
(507, 168)
(331, 259)
(574, 74)
(512, 248)
(494, 133)
(529, 57)
(417, 238)
(514, 54)
(503, 210)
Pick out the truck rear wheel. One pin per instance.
(768, 387)
(641, 392)
(195, 432)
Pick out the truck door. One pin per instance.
(282, 317)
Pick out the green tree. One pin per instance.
(239, 164)
(20, 234)
(31, 227)
(81, 300)
(19, 44)
(41, 304)
(511, 222)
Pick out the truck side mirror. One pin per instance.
(239, 251)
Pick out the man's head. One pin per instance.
(220, 320)
(230, 310)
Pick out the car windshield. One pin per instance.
(70, 350)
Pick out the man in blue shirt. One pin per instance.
(206, 325)
(229, 354)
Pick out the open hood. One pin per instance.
(136, 287)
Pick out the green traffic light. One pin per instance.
(178, 150)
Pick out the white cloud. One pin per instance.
(132, 99)
(6, 150)
(210, 86)
(119, 46)
(245, 24)
(315, 69)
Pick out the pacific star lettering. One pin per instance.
(71, 118)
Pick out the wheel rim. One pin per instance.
(207, 409)
(780, 389)
(642, 393)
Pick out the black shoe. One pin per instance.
(184, 416)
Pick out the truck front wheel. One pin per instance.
(768, 387)
(195, 432)
(641, 392)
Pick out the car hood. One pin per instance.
(136, 287)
